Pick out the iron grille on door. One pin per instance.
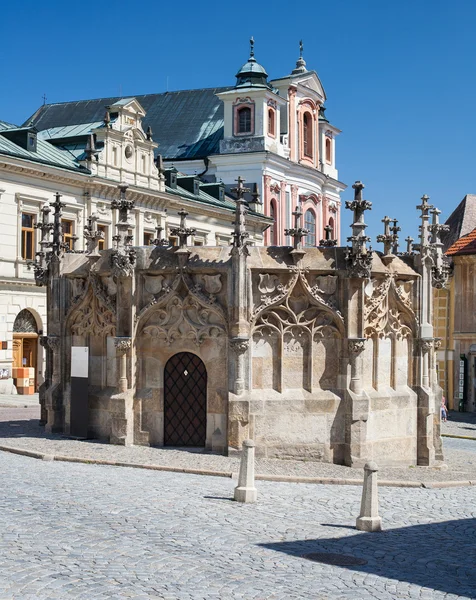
(185, 401)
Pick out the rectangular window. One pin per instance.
(102, 244)
(198, 242)
(173, 241)
(68, 233)
(27, 236)
(148, 238)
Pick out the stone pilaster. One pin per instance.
(359, 403)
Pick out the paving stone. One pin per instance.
(88, 531)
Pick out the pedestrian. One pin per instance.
(443, 409)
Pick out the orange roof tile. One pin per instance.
(465, 245)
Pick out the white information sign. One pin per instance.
(79, 361)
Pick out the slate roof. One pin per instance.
(461, 221)
(465, 245)
(186, 124)
(45, 153)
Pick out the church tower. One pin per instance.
(252, 111)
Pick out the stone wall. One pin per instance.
(302, 354)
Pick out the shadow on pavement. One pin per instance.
(462, 417)
(440, 556)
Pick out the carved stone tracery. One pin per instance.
(92, 317)
(388, 309)
(183, 319)
(298, 310)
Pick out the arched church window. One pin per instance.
(310, 225)
(244, 120)
(328, 150)
(307, 134)
(273, 230)
(25, 322)
(271, 123)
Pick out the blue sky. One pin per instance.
(399, 76)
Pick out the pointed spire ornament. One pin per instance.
(300, 63)
(386, 238)
(239, 233)
(394, 230)
(256, 201)
(297, 233)
(183, 232)
(409, 241)
(328, 241)
(358, 257)
(252, 47)
(159, 240)
(92, 235)
(90, 149)
(107, 118)
(57, 244)
(123, 257)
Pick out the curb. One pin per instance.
(458, 437)
(232, 475)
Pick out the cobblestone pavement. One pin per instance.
(19, 429)
(463, 424)
(18, 400)
(90, 531)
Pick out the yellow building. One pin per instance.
(454, 310)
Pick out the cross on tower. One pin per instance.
(182, 231)
(328, 241)
(386, 238)
(93, 235)
(297, 232)
(395, 229)
(425, 208)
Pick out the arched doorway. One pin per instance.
(25, 346)
(185, 401)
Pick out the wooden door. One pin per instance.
(17, 352)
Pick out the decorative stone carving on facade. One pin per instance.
(239, 345)
(248, 144)
(268, 283)
(426, 344)
(184, 319)
(356, 345)
(298, 312)
(122, 265)
(278, 290)
(212, 283)
(388, 309)
(123, 344)
(92, 317)
(154, 284)
(325, 285)
(50, 341)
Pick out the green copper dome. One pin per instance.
(252, 73)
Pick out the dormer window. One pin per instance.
(244, 120)
(307, 134)
(271, 122)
